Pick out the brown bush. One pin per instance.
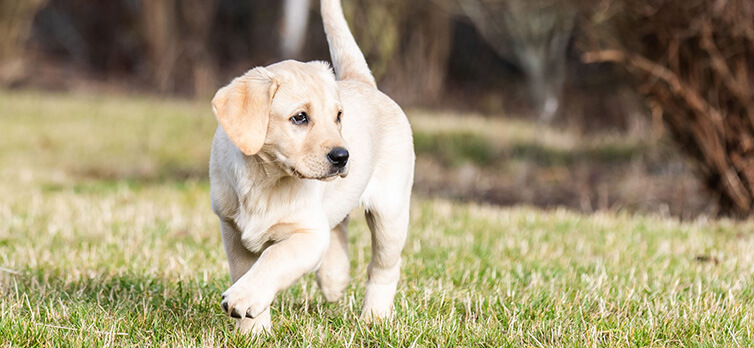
(694, 60)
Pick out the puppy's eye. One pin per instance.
(300, 118)
(340, 113)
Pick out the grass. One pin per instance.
(487, 141)
(107, 238)
(456, 148)
(509, 162)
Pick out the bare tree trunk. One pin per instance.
(534, 34)
(295, 23)
(176, 33)
(160, 31)
(16, 17)
(198, 16)
(422, 63)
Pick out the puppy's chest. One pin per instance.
(254, 230)
(265, 220)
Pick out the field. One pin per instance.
(107, 239)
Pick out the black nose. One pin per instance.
(338, 157)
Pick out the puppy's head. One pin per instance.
(288, 113)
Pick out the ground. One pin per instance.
(107, 238)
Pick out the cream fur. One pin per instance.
(283, 207)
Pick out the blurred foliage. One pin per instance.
(192, 47)
(407, 44)
(377, 25)
(516, 58)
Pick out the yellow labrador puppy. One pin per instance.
(297, 148)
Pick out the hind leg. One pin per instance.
(333, 275)
(389, 226)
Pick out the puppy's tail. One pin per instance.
(347, 59)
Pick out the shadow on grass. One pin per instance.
(551, 157)
(104, 187)
(129, 294)
(164, 172)
(141, 307)
(130, 308)
(453, 149)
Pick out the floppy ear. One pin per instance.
(242, 108)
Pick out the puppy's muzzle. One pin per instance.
(338, 157)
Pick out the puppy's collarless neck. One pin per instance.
(268, 173)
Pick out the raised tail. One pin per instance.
(347, 58)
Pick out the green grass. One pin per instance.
(455, 148)
(483, 142)
(107, 238)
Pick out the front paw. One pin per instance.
(378, 302)
(246, 300)
(374, 315)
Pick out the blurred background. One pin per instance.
(644, 106)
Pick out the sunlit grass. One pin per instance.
(129, 253)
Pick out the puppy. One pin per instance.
(296, 150)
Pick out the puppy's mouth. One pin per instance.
(293, 172)
(342, 172)
(332, 176)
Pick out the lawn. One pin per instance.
(107, 238)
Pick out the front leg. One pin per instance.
(240, 261)
(278, 267)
